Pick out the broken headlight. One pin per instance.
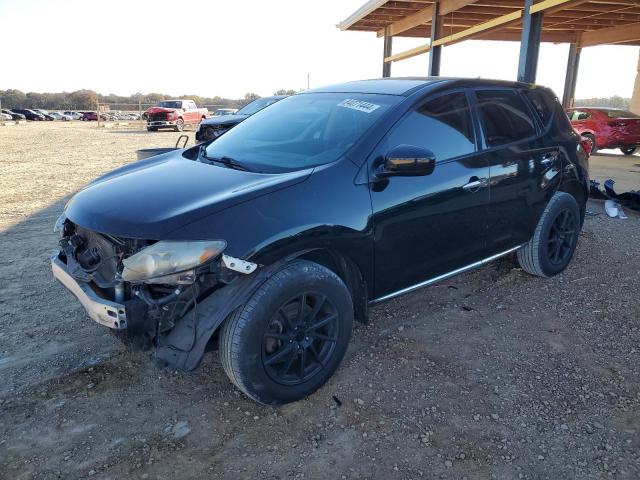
(166, 258)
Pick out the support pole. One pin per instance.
(435, 53)
(387, 49)
(571, 78)
(530, 44)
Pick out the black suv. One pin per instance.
(29, 114)
(277, 235)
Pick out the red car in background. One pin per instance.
(607, 128)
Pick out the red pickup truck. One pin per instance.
(174, 114)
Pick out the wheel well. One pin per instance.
(578, 192)
(349, 273)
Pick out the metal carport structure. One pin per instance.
(445, 22)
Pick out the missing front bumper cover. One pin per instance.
(105, 312)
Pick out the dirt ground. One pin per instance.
(494, 374)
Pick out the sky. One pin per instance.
(229, 48)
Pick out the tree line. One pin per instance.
(607, 102)
(86, 99)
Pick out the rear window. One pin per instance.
(544, 104)
(505, 117)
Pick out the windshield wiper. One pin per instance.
(226, 161)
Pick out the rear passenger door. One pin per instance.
(429, 225)
(524, 169)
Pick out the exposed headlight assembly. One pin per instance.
(162, 260)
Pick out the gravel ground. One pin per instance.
(493, 374)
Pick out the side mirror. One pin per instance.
(407, 161)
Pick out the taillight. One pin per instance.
(586, 145)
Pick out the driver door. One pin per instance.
(426, 226)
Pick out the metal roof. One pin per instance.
(583, 22)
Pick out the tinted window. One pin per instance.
(505, 117)
(442, 125)
(543, 102)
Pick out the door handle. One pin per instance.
(474, 184)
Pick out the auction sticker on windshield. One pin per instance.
(359, 105)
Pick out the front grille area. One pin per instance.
(158, 117)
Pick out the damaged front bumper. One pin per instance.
(162, 123)
(103, 311)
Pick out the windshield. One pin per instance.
(621, 114)
(169, 104)
(301, 131)
(256, 106)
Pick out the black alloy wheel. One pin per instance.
(300, 339)
(290, 336)
(561, 241)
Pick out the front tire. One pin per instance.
(291, 335)
(628, 150)
(551, 248)
(179, 125)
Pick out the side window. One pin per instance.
(505, 117)
(543, 102)
(442, 125)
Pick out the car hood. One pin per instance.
(151, 198)
(223, 120)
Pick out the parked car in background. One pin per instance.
(174, 114)
(45, 114)
(224, 111)
(73, 115)
(211, 128)
(14, 115)
(286, 229)
(5, 116)
(60, 116)
(89, 116)
(607, 127)
(29, 114)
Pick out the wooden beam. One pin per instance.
(480, 28)
(608, 36)
(408, 53)
(419, 18)
(449, 6)
(423, 17)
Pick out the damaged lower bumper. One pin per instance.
(103, 311)
(162, 123)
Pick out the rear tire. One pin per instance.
(291, 335)
(591, 137)
(551, 248)
(628, 150)
(152, 129)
